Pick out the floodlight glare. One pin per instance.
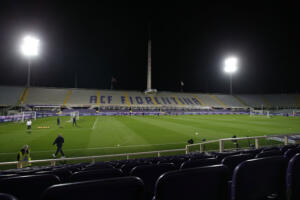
(231, 65)
(30, 46)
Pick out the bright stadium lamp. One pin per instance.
(30, 48)
(230, 68)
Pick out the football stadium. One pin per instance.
(59, 142)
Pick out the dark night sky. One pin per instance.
(190, 42)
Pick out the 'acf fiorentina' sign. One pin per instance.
(146, 100)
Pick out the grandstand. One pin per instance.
(166, 170)
(73, 97)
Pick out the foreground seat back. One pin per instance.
(293, 178)
(63, 174)
(96, 174)
(199, 163)
(149, 174)
(259, 179)
(269, 153)
(232, 161)
(125, 188)
(126, 168)
(290, 153)
(7, 197)
(27, 187)
(209, 183)
(97, 166)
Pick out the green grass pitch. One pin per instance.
(97, 135)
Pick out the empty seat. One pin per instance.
(7, 197)
(290, 153)
(287, 147)
(253, 152)
(221, 156)
(125, 188)
(209, 183)
(270, 149)
(126, 168)
(96, 174)
(269, 153)
(232, 161)
(149, 174)
(99, 165)
(260, 178)
(3, 176)
(63, 174)
(27, 187)
(293, 178)
(199, 163)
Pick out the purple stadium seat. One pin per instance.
(199, 163)
(99, 165)
(7, 197)
(293, 178)
(63, 174)
(126, 168)
(124, 188)
(232, 161)
(262, 178)
(27, 187)
(96, 174)
(149, 174)
(291, 152)
(209, 183)
(269, 153)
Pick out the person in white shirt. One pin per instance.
(28, 123)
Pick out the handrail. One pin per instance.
(158, 152)
(256, 138)
(92, 158)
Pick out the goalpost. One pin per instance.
(259, 113)
(74, 114)
(22, 116)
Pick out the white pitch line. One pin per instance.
(99, 148)
(95, 122)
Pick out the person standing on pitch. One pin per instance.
(74, 121)
(58, 121)
(59, 141)
(28, 123)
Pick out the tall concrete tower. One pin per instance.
(149, 64)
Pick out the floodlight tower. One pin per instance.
(30, 48)
(230, 68)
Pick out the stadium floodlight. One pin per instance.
(30, 48)
(231, 66)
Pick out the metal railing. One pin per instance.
(221, 141)
(159, 152)
(93, 158)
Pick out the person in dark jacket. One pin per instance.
(58, 121)
(59, 141)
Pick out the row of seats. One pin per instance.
(21, 183)
(50, 96)
(254, 179)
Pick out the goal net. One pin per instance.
(264, 113)
(74, 114)
(23, 116)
